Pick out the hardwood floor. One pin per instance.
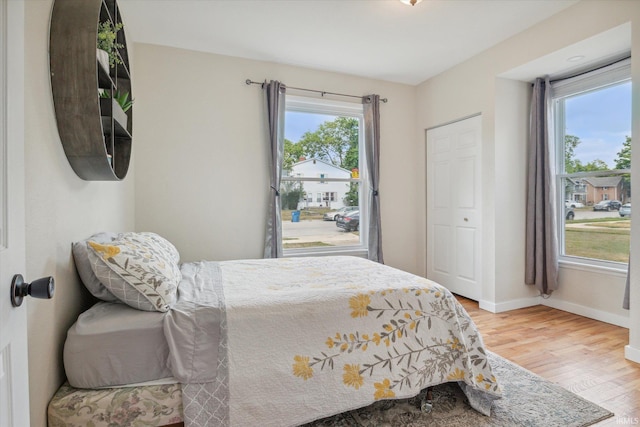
(583, 355)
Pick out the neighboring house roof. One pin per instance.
(605, 181)
(575, 180)
(319, 161)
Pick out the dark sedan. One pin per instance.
(349, 222)
(607, 205)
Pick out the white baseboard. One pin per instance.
(581, 310)
(509, 305)
(589, 312)
(632, 354)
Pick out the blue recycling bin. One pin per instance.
(295, 216)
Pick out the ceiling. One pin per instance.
(601, 49)
(380, 39)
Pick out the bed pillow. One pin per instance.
(140, 269)
(83, 265)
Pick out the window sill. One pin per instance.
(613, 269)
(347, 250)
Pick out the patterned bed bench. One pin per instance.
(159, 405)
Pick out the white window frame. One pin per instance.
(609, 76)
(345, 109)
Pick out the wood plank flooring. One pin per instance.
(583, 355)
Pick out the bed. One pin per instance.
(267, 342)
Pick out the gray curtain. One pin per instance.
(541, 267)
(275, 96)
(372, 154)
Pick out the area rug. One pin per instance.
(528, 400)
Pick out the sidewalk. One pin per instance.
(317, 231)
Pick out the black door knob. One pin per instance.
(41, 288)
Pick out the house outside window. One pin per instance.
(576, 190)
(324, 142)
(592, 133)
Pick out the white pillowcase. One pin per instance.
(140, 269)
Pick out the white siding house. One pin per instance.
(321, 193)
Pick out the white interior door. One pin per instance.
(14, 384)
(453, 206)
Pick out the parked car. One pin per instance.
(333, 215)
(625, 210)
(350, 221)
(573, 204)
(607, 205)
(569, 213)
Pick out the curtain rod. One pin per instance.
(321, 92)
(558, 79)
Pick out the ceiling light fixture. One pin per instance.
(411, 2)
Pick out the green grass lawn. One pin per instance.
(607, 240)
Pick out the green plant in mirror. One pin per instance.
(107, 41)
(121, 98)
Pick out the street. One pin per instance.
(317, 231)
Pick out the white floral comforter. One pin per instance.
(311, 337)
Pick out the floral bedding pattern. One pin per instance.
(405, 345)
(157, 405)
(140, 269)
(331, 334)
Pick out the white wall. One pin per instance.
(475, 86)
(60, 209)
(202, 157)
(510, 189)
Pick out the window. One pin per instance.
(323, 147)
(592, 115)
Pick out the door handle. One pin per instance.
(40, 288)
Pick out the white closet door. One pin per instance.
(454, 220)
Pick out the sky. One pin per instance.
(296, 124)
(602, 121)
